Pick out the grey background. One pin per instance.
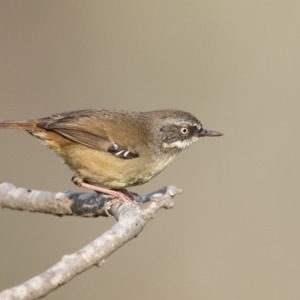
(234, 232)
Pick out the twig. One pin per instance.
(131, 221)
(60, 204)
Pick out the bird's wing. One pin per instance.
(89, 128)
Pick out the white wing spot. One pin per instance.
(115, 145)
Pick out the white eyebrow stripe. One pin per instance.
(197, 125)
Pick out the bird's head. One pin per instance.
(177, 130)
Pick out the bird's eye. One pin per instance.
(184, 131)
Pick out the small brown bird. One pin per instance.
(110, 150)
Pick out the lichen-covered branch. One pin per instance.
(60, 204)
(131, 221)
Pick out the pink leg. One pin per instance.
(122, 195)
(118, 196)
(114, 193)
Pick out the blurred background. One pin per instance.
(234, 232)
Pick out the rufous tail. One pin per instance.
(25, 125)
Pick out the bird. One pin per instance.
(111, 150)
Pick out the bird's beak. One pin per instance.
(207, 132)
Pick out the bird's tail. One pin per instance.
(25, 125)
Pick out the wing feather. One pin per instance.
(84, 127)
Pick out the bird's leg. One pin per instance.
(119, 195)
(129, 194)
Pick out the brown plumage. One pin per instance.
(114, 149)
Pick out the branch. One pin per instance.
(131, 221)
(60, 204)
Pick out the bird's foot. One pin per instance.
(122, 195)
(118, 195)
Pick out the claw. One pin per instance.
(118, 195)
